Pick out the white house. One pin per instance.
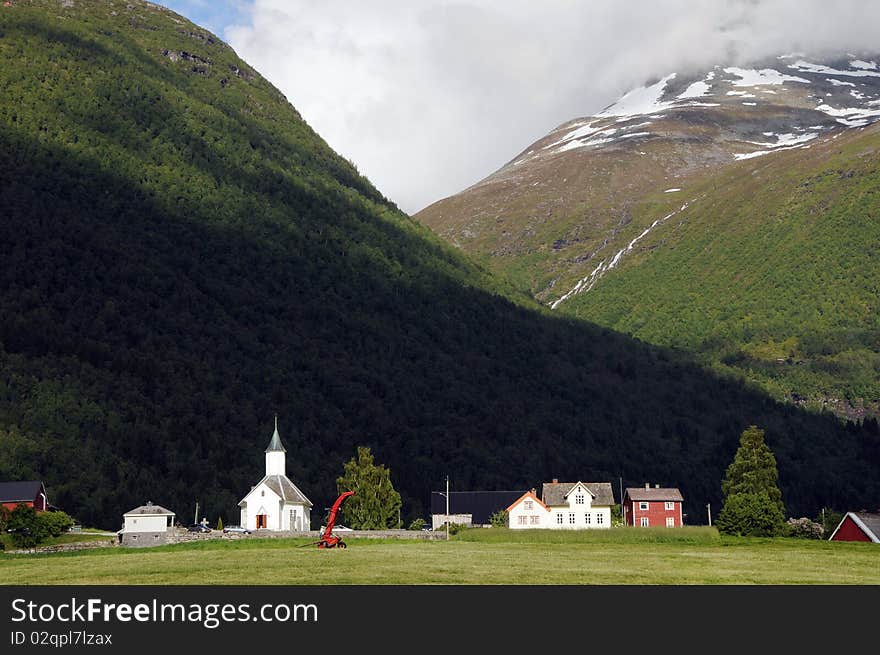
(147, 525)
(563, 506)
(275, 503)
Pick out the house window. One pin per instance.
(600, 519)
(559, 519)
(528, 504)
(522, 520)
(670, 505)
(588, 518)
(579, 499)
(263, 492)
(571, 518)
(644, 522)
(536, 519)
(293, 519)
(643, 505)
(670, 522)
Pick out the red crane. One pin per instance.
(328, 539)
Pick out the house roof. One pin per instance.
(24, 491)
(284, 488)
(150, 509)
(654, 493)
(555, 493)
(868, 522)
(481, 505)
(528, 494)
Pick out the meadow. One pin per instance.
(689, 556)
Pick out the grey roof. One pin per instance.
(654, 493)
(282, 486)
(554, 493)
(871, 521)
(149, 509)
(20, 491)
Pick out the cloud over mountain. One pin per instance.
(428, 97)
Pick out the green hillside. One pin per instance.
(183, 258)
(772, 273)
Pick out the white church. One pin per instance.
(275, 503)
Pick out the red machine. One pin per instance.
(328, 539)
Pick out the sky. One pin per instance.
(427, 97)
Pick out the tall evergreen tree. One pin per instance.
(375, 504)
(752, 499)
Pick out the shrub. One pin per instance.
(499, 519)
(803, 528)
(26, 527)
(56, 522)
(417, 524)
(219, 522)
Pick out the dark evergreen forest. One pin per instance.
(182, 258)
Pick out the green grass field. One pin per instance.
(690, 556)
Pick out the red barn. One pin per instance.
(31, 493)
(653, 507)
(858, 526)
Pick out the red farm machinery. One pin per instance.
(328, 539)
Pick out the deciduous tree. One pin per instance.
(375, 504)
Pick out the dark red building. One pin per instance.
(653, 507)
(31, 493)
(858, 526)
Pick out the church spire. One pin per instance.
(275, 443)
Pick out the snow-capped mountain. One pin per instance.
(817, 98)
(718, 211)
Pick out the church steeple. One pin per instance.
(275, 443)
(275, 454)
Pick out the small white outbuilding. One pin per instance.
(147, 525)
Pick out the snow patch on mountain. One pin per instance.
(698, 89)
(641, 101)
(768, 76)
(585, 284)
(786, 141)
(806, 67)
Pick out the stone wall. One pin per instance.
(179, 535)
(61, 548)
(182, 536)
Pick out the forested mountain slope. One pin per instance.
(183, 258)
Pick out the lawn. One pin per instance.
(689, 556)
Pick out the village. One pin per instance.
(276, 507)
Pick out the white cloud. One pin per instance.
(428, 97)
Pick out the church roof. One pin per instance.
(288, 491)
(282, 486)
(275, 443)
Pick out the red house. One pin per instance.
(31, 493)
(858, 526)
(653, 507)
